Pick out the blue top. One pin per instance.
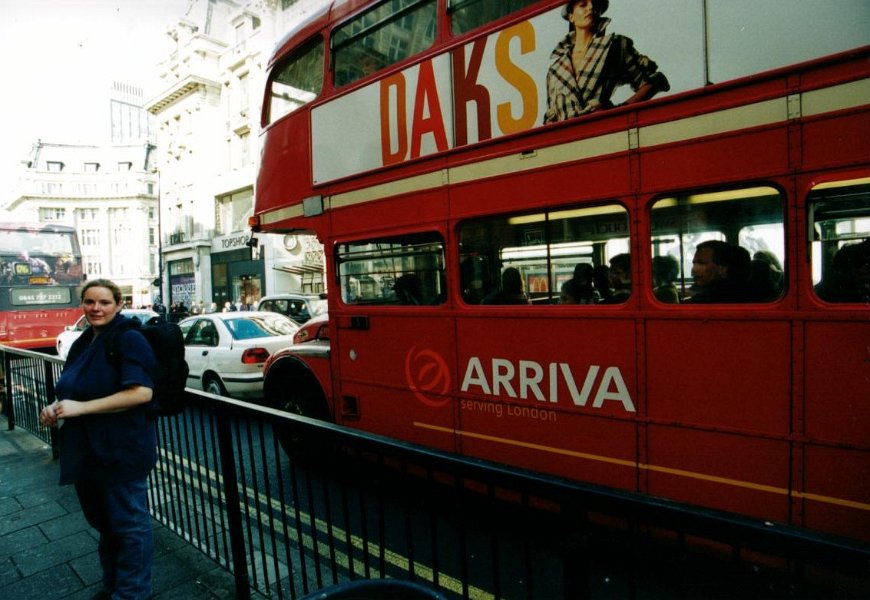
(107, 447)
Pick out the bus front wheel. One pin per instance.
(297, 392)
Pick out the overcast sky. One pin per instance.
(60, 56)
(59, 59)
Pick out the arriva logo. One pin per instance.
(528, 379)
(428, 376)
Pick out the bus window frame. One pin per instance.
(705, 196)
(429, 243)
(587, 210)
(814, 196)
(269, 117)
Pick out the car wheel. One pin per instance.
(213, 385)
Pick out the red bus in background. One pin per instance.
(40, 272)
(543, 295)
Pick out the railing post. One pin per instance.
(233, 506)
(49, 394)
(9, 406)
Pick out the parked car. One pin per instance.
(71, 333)
(315, 328)
(226, 351)
(299, 307)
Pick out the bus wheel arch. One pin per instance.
(292, 387)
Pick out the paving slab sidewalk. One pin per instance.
(48, 551)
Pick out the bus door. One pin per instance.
(391, 344)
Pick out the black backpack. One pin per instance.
(167, 342)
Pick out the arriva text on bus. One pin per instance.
(528, 379)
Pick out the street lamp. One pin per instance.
(158, 282)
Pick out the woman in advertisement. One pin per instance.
(589, 64)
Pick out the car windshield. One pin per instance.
(257, 326)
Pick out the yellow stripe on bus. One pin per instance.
(654, 468)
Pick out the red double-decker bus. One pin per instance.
(668, 296)
(40, 271)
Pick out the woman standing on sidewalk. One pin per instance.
(108, 442)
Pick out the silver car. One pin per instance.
(299, 307)
(226, 351)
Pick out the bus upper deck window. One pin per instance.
(296, 81)
(386, 34)
(840, 226)
(718, 247)
(466, 15)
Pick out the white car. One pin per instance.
(226, 351)
(71, 333)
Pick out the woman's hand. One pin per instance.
(64, 409)
(54, 414)
(47, 416)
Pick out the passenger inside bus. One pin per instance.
(665, 271)
(407, 289)
(765, 277)
(574, 291)
(849, 277)
(512, 289)
(601, 282)
(718, 273)
(582, 289)
(620, 279)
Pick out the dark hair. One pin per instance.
(599, 7)
(665, 268)
(571, 288)
(741, 264)
(583, 272)
(721, 251)
(106, 283)
(621, 261)
(512, 281)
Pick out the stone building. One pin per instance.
(109, 194)
(207, 120)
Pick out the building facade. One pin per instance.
(162, 208)
(207, 119)
(110, 195)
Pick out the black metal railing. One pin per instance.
(291, 506)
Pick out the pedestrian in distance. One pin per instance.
(108, 440)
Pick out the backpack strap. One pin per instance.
(114, 348)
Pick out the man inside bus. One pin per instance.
(589, 64)
(407, 289)
(620, 279)
(712, 273)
